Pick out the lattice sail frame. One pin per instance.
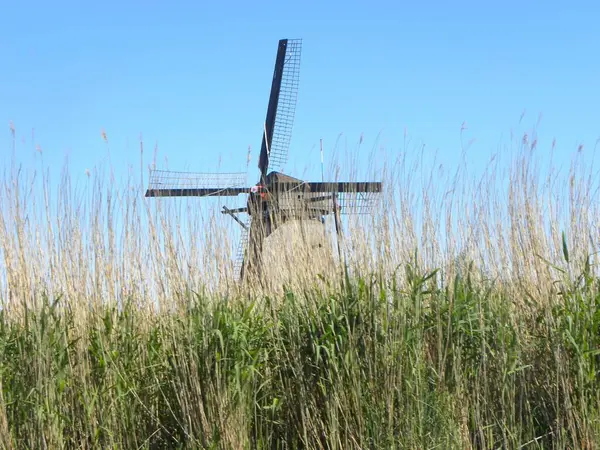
(241, 248)
(286, 106)
(168, 179)
(356, 202)
(346, 202)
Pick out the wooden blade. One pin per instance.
(281, 109)
(201, 192)
(167, 183)
(325, 198)
(345, 186)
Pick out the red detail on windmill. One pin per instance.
(259, 189)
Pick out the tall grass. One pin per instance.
(465, 315)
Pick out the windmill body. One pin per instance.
(277, 198)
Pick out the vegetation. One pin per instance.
(465, 316)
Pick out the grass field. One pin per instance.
(466, 316)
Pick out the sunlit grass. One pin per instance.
(465, 316)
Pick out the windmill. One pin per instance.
(277, 198)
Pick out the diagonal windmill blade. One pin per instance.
(281, 109)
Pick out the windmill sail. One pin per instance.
(322, 203)
(346, 197)
(286, 107)
(167, 183)
(319, 198)
(281, 110)
(241, 249)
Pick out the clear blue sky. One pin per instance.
(194, 77)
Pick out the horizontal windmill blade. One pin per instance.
(166, 183)
(345, 186)
(348, 197)
(356, 202)
(345, 202)
(325, 198)
(282, 107)
(197, 192)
